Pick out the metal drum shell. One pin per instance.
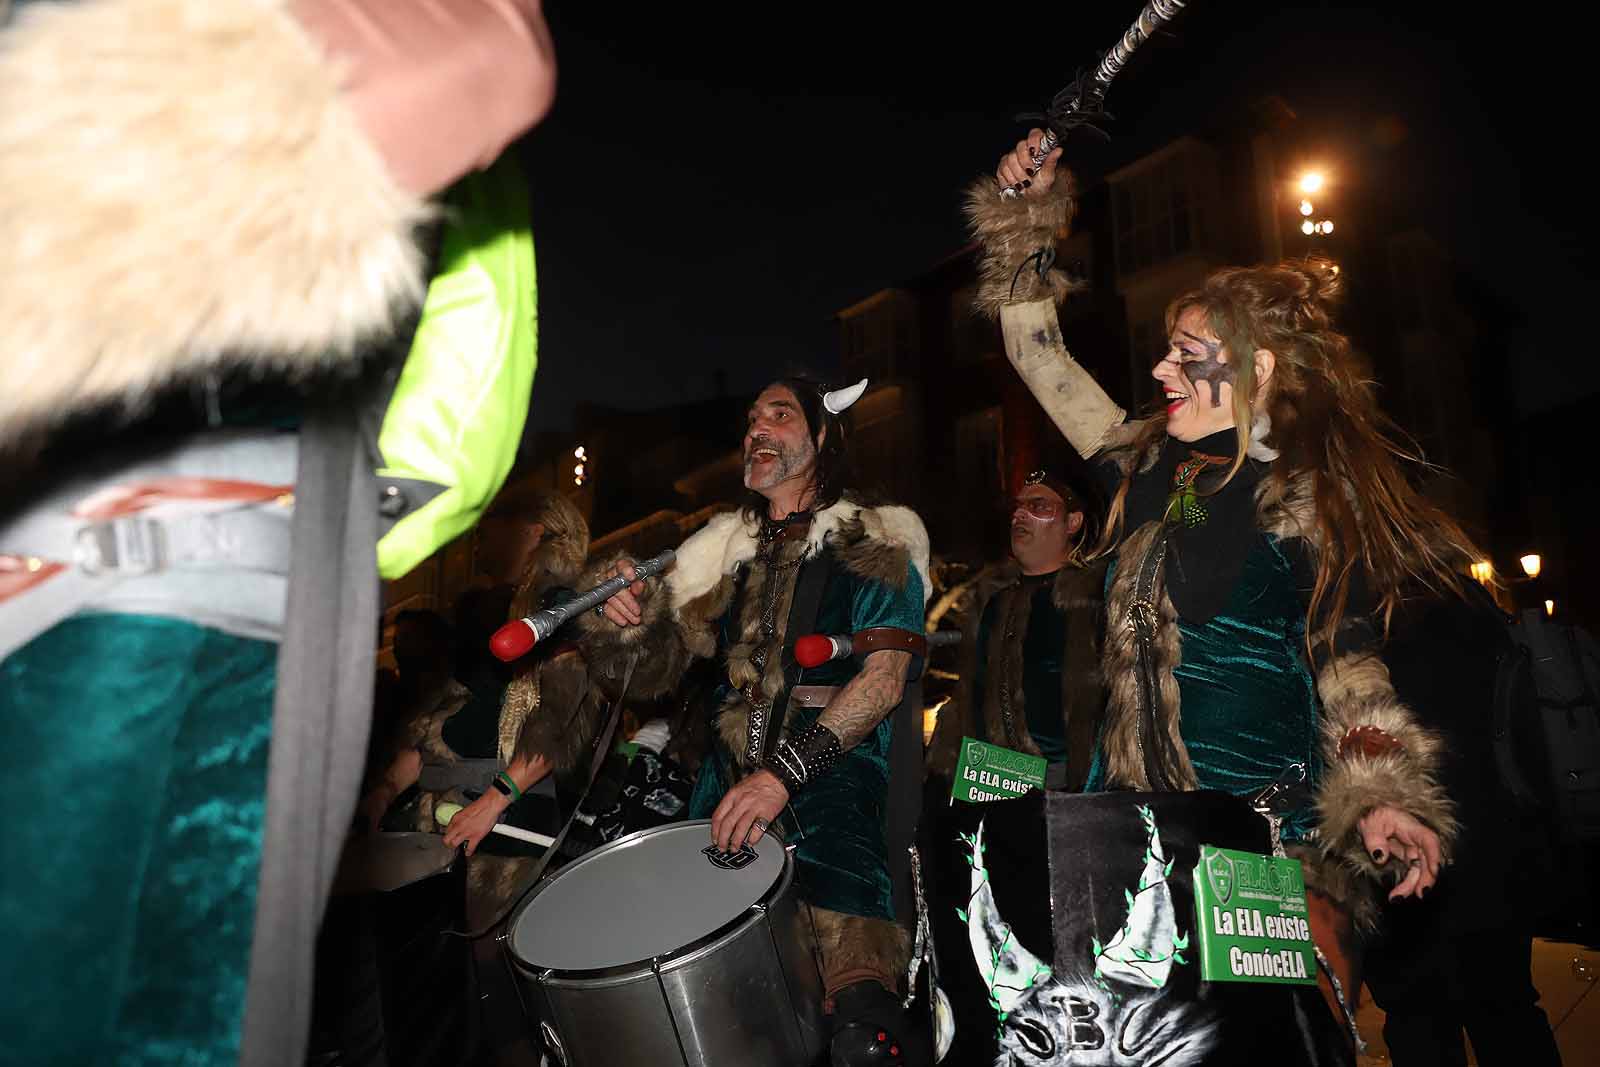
(747, 993)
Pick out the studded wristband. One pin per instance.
(804, 756)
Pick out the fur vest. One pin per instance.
(682, 613)
(1077, 593)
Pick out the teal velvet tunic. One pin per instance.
(842, 858)
(143, 742)
(1249, 704)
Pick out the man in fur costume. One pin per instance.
(814, 745)
(1030, 665)
(210, 205)
(1262, 529)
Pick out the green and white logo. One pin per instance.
(1219, 870)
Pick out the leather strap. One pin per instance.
(812, 696)
(878, 638)
(808, 587)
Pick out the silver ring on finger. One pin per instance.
(762, 824)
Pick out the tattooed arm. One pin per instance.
(863, 702)
(748, 807)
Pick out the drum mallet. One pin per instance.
(516, 639)
(443, 813)
(813, 650)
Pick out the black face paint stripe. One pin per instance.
(1210, 370)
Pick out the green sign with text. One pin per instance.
(1251, 911)
(989, 772)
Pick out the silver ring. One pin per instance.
(762, 824)
(1415, 863)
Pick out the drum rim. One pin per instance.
(620, 973)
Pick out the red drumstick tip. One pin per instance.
(512, 640)
(813, 650)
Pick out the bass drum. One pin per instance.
(656, 949)
(1036, 886)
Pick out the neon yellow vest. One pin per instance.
(459, 406)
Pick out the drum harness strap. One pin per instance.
(602, 749)
(1280, 796)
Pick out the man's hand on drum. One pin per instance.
(475, 821)
(747, 811)
(625, 608)
(1393, 837)
(1017, 169)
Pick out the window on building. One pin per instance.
(1155, 214)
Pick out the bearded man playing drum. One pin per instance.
(803, 751)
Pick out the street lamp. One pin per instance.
(1531, 564)
(582, 456)
(1311, 182)
(1483, 572)
(1549, 607)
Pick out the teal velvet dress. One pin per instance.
(1249, 708)
(842, 859)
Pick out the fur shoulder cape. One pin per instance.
(184, 189)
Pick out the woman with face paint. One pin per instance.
(1262, 529)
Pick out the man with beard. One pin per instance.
(1029, 677)
(806, 752)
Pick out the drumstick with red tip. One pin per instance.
(813, 650)
(516, 639)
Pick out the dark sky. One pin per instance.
(715, 181)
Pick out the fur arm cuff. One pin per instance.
(1356, 693)
(1010, 232)
(182, 179)
(656, 645)
(1081, 410)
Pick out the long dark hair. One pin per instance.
(832, 474)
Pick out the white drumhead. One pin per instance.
(648, 894)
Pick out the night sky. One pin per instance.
(716, 181)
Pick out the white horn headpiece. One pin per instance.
(839, 401)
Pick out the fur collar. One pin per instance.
(727, 541)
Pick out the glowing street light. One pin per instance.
(1532, 564)
(1325, 226)
(1306, 208)
(1308, 227)
(1311, 182)
(579, 454)
(1549, 607)
(1482, 571)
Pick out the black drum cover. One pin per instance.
(1065, 931)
